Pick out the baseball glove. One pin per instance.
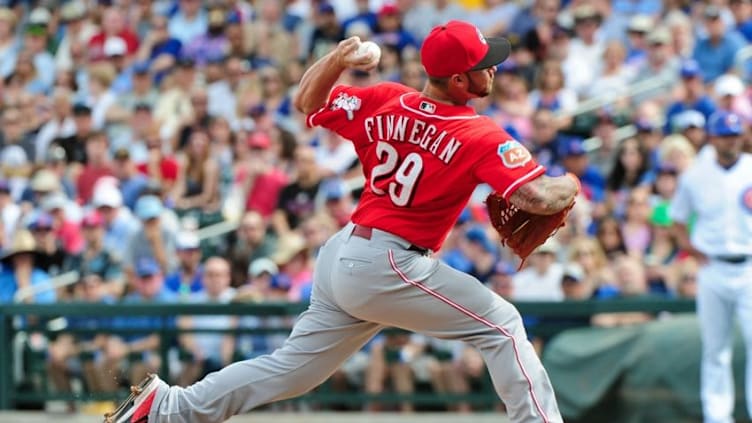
(519, 230)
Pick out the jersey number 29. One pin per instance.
(406, 173)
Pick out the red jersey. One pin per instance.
(421, 159)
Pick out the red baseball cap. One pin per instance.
(458, 47)
(259, 140)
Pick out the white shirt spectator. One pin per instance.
(529, 285)
(581, 64)
(210, 344)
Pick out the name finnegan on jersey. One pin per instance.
(414, 131)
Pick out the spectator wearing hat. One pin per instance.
(190, 21)
(60, 125)
(13, 132)
(715, 54)
(131, 182)
(327, 31)
(78, 29)
(35, 43)
(9, 42)
(140, 349)
(586, 49)
(294, 261)
(97, 165)
(637, 31)
(65, 216)
(691, 124)
(96, 258)
(575, 159)
(75, 144)
(119, 224)
(660, 62)
(297, 200)
(155, 240)
(187, 278)
(259, 285)
(209, 352)
(50, 255)
(528, 18)
(159, 50)
(43, 182)
(19, 272)
(692, 93)
(729, 93)
(113, 25)
(389, 30)
(210, 43)
(541, 279)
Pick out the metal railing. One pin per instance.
(10, 329)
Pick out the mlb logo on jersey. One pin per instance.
(513, 154)
(427, 107)
(747, 199)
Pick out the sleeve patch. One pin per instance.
(513, 154)
(346, 102)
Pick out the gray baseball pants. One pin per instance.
(360, 287)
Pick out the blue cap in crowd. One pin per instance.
(722, 124)
(41, 221)
(572, 146)
(148, 207)
(690, 69)
(147, 266)
(478, 234)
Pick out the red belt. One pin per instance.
(366, 232)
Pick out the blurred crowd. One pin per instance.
(130, 126)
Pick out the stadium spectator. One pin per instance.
(295, 266)
(75, 144)
(113, 25)
(632, 282)
(96, 258)
(50, 255)
(21, 279)
(14, 133)
(139, 350)
(98, 165)
(197, 185)
(631, 170)
(9, 45)
(251, 241)
(551, 94)
(159, 49)
(608, 234)
(155, 240)
(78, 29)
(209, 351)
(297, 200)
(715, 54)
(541, 279)
(677, 152)
(60, 125)
(692, 93)
(188, 278)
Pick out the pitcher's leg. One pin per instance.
(320, 341)
(424, 296)
(715, 315)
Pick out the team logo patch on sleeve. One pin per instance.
(513, 154)
(747, 199)
(346, 102)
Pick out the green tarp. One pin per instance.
(646, 373)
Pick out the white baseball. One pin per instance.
(369, 47)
